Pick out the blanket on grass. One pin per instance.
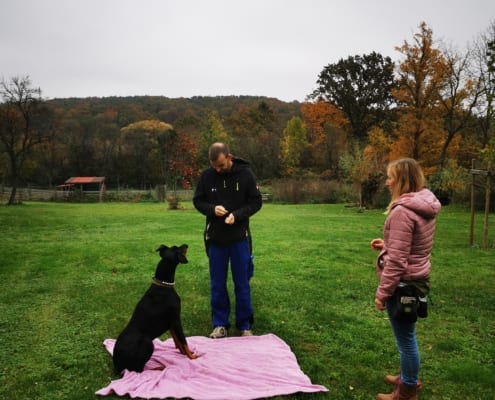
(234, 368)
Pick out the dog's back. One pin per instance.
(157, 310)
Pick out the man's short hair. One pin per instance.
(216, 149)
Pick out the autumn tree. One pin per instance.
(164, 156)
(458, 98)
(104, 143)
(356, 169)
(483, 53)
(257, 139)
(4, 165)
(50, 155)
(327, 135)
(491, 92)
(293, 145)
(360, 87)
(144, 146)
(23, 119)
(422, 76)
(376, 155)
(365, 167)
(213, 131)
(491, 79)
(183, 161)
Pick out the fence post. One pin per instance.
(471, 229)
(487, 210)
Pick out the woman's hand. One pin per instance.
(377, 244)
(379, 305)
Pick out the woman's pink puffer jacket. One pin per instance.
(408, 239)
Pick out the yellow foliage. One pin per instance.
(378, 148)
(148, 126)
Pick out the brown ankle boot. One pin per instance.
(391, 396)
(393, 379)
(383, 396)
(401, 392)
(408, 392)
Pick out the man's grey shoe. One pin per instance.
(219, 332)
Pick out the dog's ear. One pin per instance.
(161, 249)
(182, 254)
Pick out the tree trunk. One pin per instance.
(15, 179)
(12, 195)
(443, 153)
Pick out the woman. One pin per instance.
(405, 257)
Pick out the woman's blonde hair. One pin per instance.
(407, 177)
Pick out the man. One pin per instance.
(227, 194)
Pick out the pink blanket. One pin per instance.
(234, 368)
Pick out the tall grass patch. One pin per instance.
(311, 190)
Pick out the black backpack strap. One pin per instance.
(206, 239)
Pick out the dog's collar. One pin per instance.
(163, 283)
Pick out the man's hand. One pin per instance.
(230, 219)
(220, 211)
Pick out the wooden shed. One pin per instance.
(86, 184)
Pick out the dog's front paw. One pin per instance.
(158, 368)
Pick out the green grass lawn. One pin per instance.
(71, 275)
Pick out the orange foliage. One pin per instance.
(318, 118)
(422, 76)
(317, 115)
(183, 164)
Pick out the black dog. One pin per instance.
(157, 312)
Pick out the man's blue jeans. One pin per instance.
(405, 337)
(241, 264)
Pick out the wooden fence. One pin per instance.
(37, 194)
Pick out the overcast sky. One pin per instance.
(185, 48)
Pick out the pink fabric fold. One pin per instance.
(236, 368)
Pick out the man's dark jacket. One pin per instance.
(237, 191)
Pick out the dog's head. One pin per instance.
(175, 253)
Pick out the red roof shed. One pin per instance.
(86, 180)
(81, 180)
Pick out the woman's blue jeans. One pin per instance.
(405, 337)
(241, 264)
